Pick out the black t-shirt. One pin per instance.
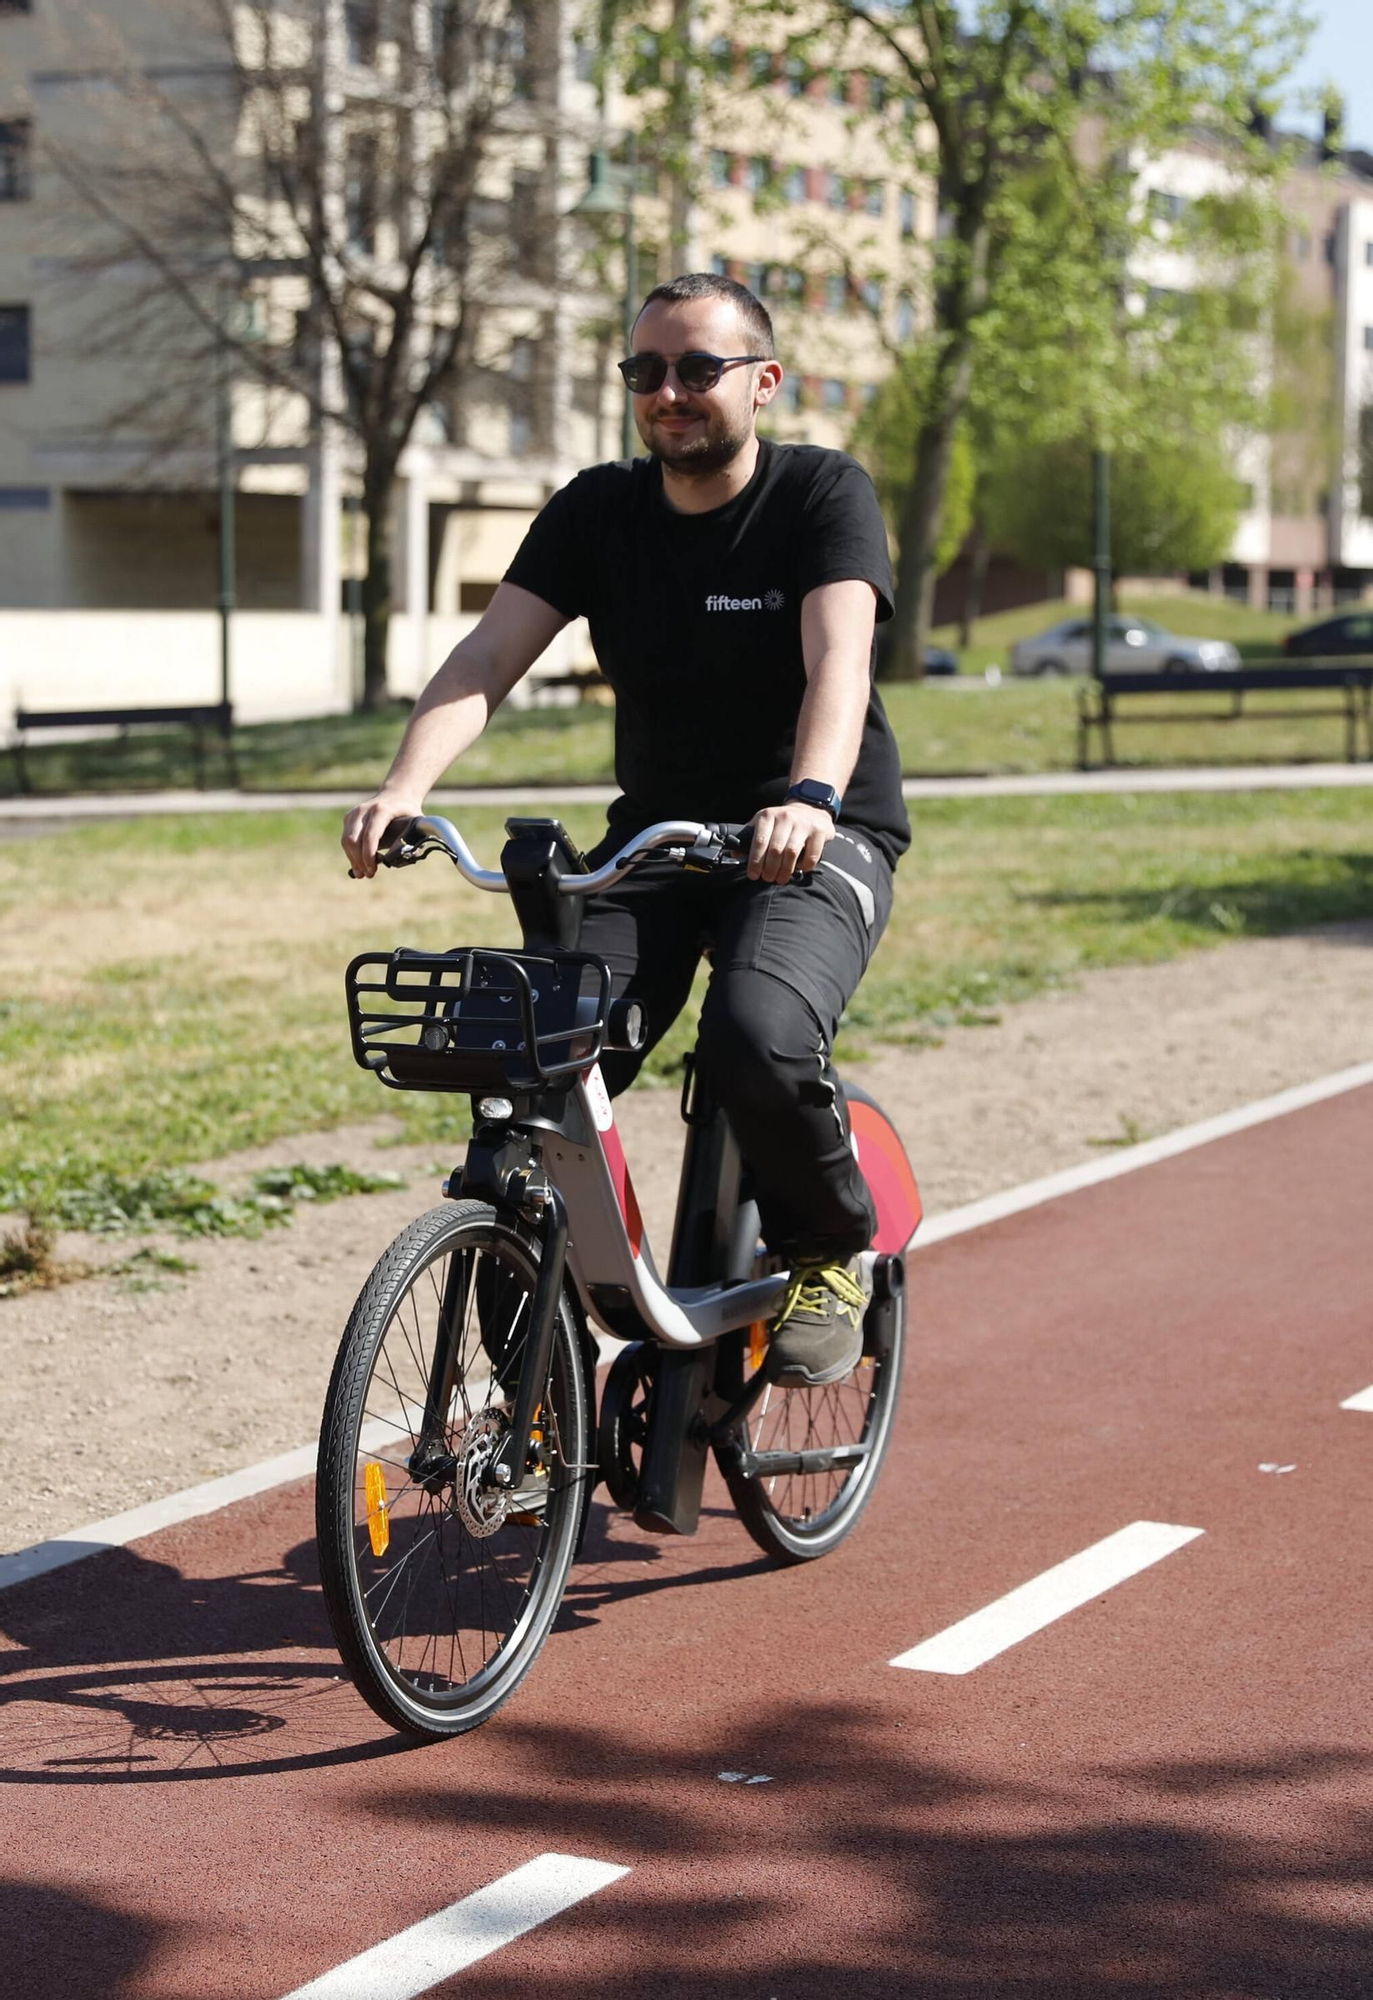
(696, 622)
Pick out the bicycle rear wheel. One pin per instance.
(441, 1590)
(796, 1514)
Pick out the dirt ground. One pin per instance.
(115, 1396)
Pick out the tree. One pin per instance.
(987, 96)
(1173, 506)
(884, 439)
(341, 202)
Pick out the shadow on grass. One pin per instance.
(1237, 906)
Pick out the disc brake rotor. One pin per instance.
(481, 1508)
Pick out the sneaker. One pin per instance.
(818, 1335)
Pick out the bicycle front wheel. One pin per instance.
(801, 1467)
(440, 1588)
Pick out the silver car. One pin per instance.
(1133, 646)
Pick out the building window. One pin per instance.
(791, 393)
(720, 266)
(360, 195)
(837, 191)
(836, 395)
(756, 279)
(836, 292)
(877, 91)
(869, 393)
(905, 316)
(871, 293)
(14, 159)
(791, 282)
(521, 433)
(14, 343)
(720, 55)
(1165, 207)
(360, 30)
(760, 65)
(719, 169)
(907, 214)
(837, 87)
(757, 174)
(872, 198)
(797, 74)
(794, 186)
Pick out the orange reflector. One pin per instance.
(378, 1519)
(757, 1343)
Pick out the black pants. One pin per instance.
(785, 959)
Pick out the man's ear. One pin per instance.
(766, 383)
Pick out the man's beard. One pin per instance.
(707, 449)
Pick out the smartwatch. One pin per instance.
(814, 792)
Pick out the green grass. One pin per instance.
(174, 988)
(942, 728)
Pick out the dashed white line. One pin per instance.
(1363, 1401)
(438, 1946)
(1065, 1587)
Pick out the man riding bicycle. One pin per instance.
(732, 586)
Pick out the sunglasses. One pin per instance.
(645, 373)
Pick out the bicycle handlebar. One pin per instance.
(701, 844)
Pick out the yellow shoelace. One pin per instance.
(809, 1284)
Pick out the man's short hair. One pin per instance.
(753, 314)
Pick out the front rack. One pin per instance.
(477, 1020)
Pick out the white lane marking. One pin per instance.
(208, 1498)
(1363, 1401)
(215, 1493)
(472, 1929)
(995, 1207)
(1065, 1587)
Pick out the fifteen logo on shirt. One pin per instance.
(771, 600)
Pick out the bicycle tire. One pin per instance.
(798, 1517)
(438, 1637)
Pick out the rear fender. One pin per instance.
(887, 1171)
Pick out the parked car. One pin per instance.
(1351, 633)
(1133, 645)
(938, 659)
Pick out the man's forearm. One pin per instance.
(449, 716)
(829, 728)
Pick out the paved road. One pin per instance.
(52, 814)
(1162, 1795)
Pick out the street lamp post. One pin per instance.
(224, 458)
(611, 188)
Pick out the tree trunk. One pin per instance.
(376, 588)
(977, 577)
(917, 535)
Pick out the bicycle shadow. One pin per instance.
(121, 1669)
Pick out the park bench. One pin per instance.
(1098, 701)
(197, 717)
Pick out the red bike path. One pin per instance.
(1164, 1795)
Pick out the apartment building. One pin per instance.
(110, 469)
(1302, 542)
